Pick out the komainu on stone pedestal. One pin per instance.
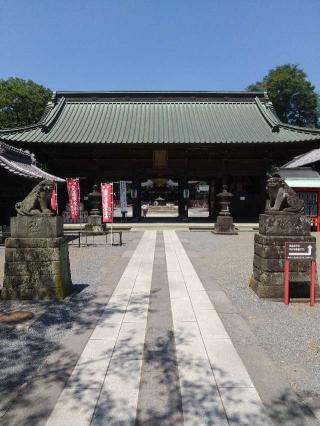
(38, 202)
(36, 255)
(283, 222)
(36, 259)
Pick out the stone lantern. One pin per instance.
(224, 200)
(224, 223)
(94, 199)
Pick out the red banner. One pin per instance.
(74, 197)
(107, 202)
(54, 203)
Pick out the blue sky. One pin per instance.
(156, 44)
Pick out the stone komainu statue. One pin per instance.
(283, 199)
(38, 202)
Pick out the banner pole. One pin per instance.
(56, 191)
(112, 215)
(312, 281)
(286, 281)
(79, 204)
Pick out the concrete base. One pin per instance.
(269, 255)
(36, 260)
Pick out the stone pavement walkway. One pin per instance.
(125, 359)
(205, 352)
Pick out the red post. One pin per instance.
(318, 211)
(312, 281)
(286, 281)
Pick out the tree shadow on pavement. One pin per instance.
(198, 397)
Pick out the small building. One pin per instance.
(18, 175)
(306, 182)
(179, 138)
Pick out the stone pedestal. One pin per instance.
(95, 220)
(36, 259)
(225, 226)
(269, 254)
(94, 224)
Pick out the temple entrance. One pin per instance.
(159, 198)
(198, 199)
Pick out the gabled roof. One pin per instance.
(22, 163)
(160, 117)
(301, 160)
(298, 172)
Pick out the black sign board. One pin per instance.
(299, 250)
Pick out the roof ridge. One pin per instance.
(187, 92)
(193, 102)
(272, 120)
(47, 112)
(20, 128)
(300, 129)
(52, 117)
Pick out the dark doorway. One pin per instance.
(198, 199)
(245, 204)
(159, 198)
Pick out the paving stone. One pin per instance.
(117, 404)
(182, 310)
(243, 407)
(75, 406)
(227, 365)
(210, 325)
(200, 300)
(106, 329)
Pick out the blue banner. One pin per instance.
(123, 196)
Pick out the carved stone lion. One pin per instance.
(283, 199)
(38, 202)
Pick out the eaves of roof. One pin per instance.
(303, 182)
(301, 160)
(22, 163)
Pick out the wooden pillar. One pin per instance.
(183, 202)
(136, 202)
(211, 198)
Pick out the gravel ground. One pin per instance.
(24, 348)
(290, 335)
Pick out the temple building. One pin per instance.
(174, 149)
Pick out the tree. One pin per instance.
(292, 95)
(22, 102)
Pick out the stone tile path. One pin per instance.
(107, 383)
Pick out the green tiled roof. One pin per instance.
(177, 118)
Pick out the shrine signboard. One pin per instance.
(300, 250)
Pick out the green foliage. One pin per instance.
(22, 102)
(292, 95)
